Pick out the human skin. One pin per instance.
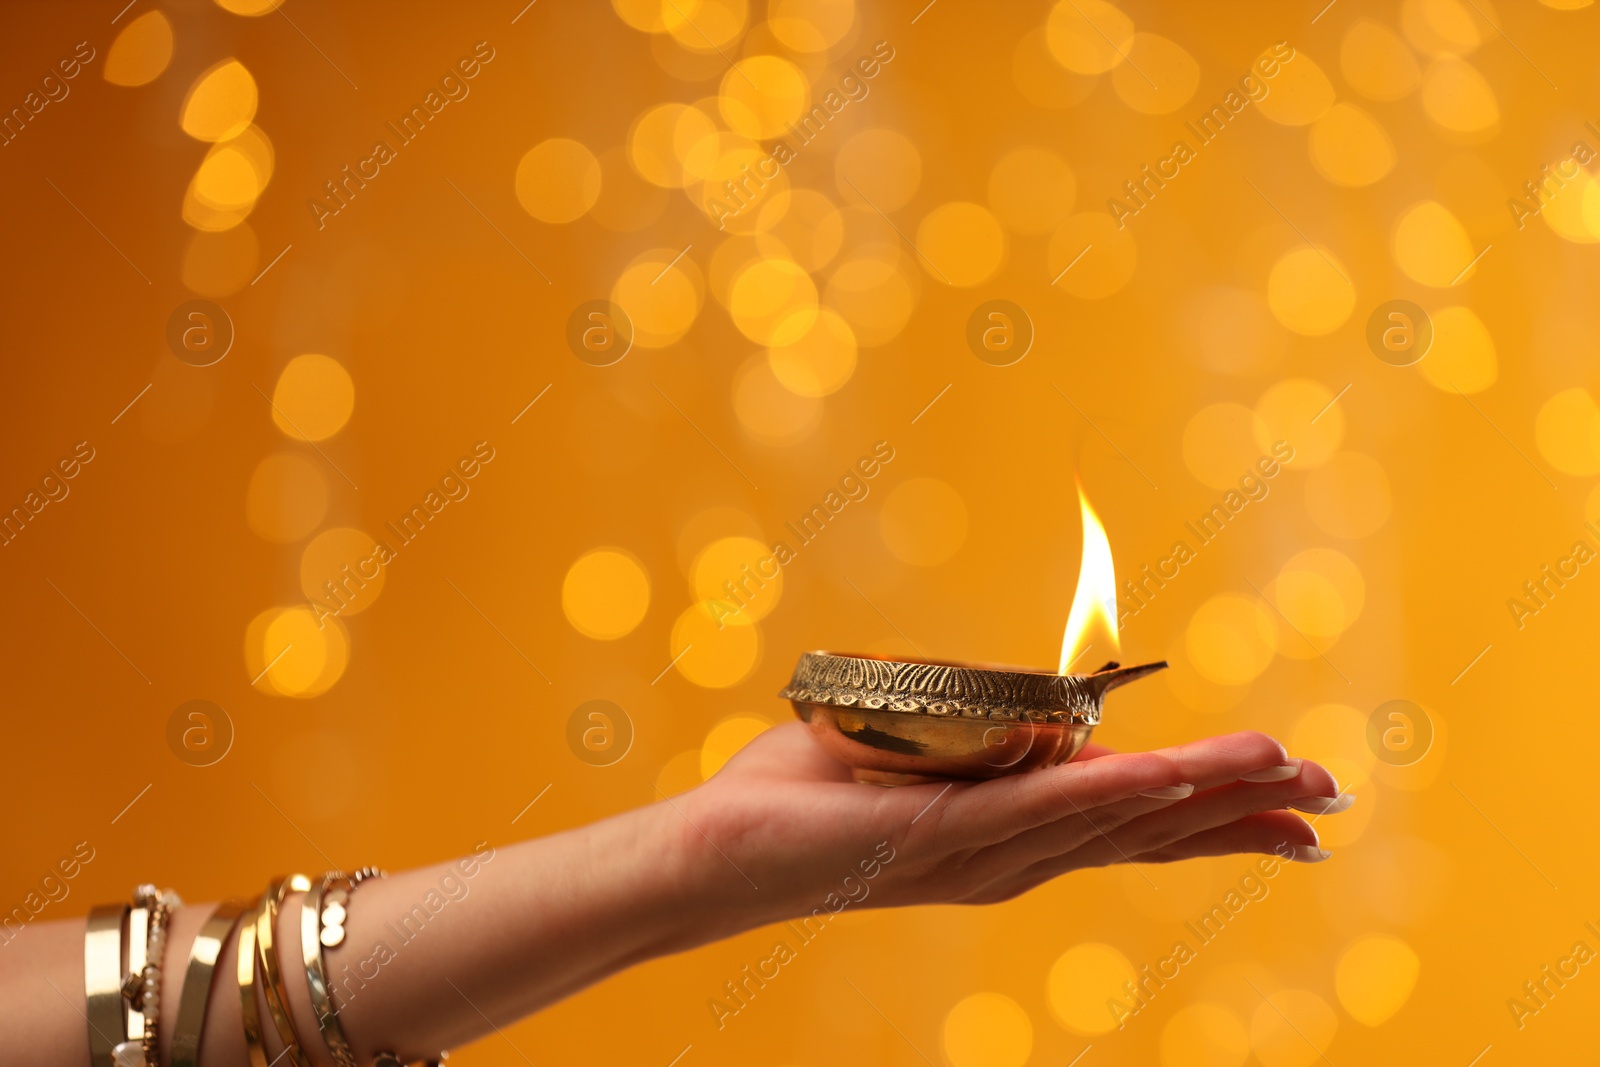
(764, 840)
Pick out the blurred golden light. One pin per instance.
(1093, 615)
(141, 51)
(713, 657)
(1220, 444)
(341, 570)
(1194, 690)
(558, 180)
(761, 95)
(882, 166)
(735, 572)
(988, 1030)
(227, 179)
(1574, 209)
(646, 15)
(1043, 81)
(208, 219)
(1285, 413)
(773, 301)
(313, 398)
(1232, 331)
(679, 774)
(820, 361)
(219, 264)
(287, 497)
(1440, 27)
(709, 525)
(1158, 77)
(1310, 291)
(1292, 1028)
(923, 521)
(1330, 603)
(1349, 147)
(663, 137)
(1204, 1035)
(1300, 94)
(221, 103)
(605, 594)
(1567, 430)
(769, 412)
(1376, 62)
(1335, 735)
(874, 296)
(1031, 190)
(290, 653)
(1375, 977)
(807, 223)
(661, 291)
(705, 25)
(810, 25)
(1348, 496)
(1080, 983)
(1463, 354)
(1432, 246)
(1458, 98)
(726, 738)
(1088, 36)
(961, 243)
(249, 8)
(1090, 257)
(1231, 639)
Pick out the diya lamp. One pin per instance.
(905, 721)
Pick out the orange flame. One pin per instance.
(1096, 595)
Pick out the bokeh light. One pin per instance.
(314, 398)
(605, 594)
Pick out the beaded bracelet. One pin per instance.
(322, 916)
(147, 943)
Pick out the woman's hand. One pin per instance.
(783, 825)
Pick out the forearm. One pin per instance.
(432, 958)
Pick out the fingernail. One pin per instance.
(1168, 792)
(1324, 805)
(1310, 854)
(1273, 774)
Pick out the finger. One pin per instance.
(1312, 788)
(1205, 763)
(987, 812)
(1279, 833)
(1216, 761)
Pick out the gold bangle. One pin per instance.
(246, 970)
(271, 973)
(196, 993)
(102, 974)
(137, 956)
(322, 924)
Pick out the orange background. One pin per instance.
(1228, 312)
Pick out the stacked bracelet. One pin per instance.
(271, 973)
(122, 986)
(197, 982)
